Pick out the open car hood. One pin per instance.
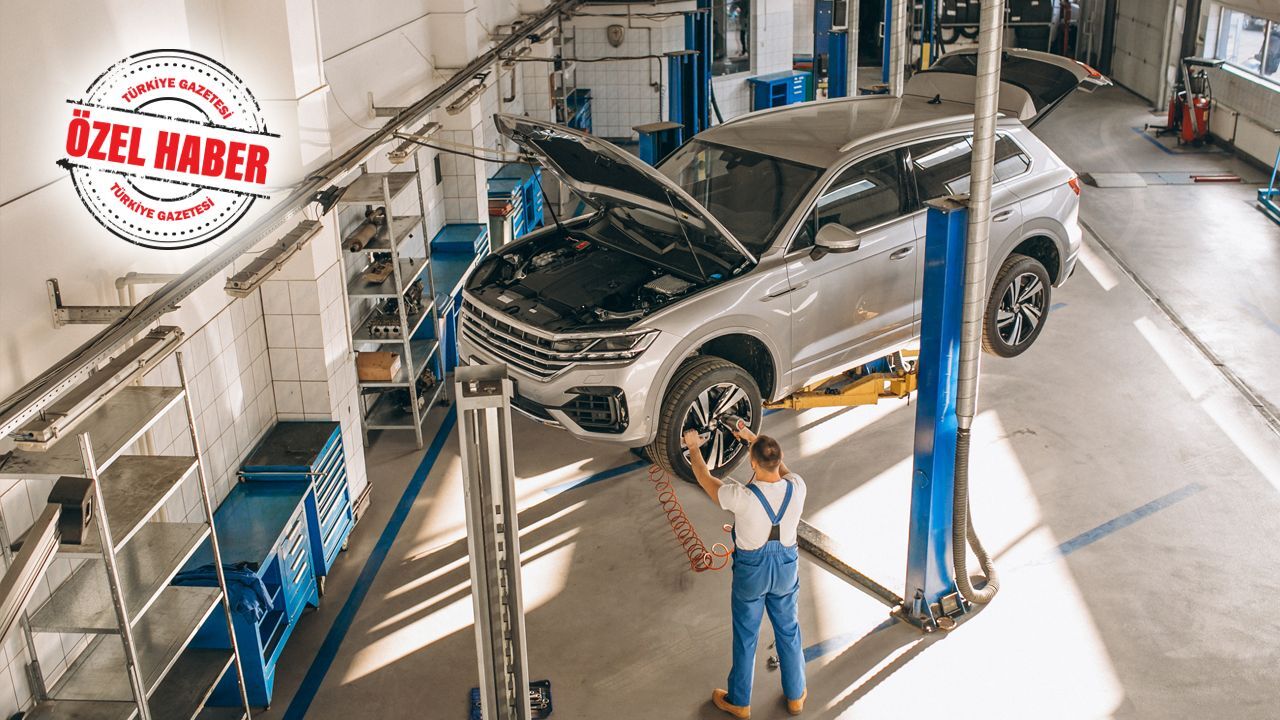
(1031, 82)
(604, 174)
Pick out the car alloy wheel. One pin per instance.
(719, 446)
(1021, 309)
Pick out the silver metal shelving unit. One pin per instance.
(380, 410)
(138, 663)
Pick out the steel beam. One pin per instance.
(483, 397)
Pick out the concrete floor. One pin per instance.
(1130, 492)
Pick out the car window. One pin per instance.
(866, 194)
(751, 193)
(942, 166)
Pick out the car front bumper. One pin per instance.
(559, 400)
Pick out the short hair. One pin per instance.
(766, 452)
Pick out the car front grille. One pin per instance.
(527, 351)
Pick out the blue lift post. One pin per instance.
(886, 49)
(689, 75)
(929, 575)
(838, 64)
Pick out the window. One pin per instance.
(1249, 43)
(751, 194)
(730, 36)
(864, 195)
(942, 166)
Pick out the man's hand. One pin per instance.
(743, 433)
(692, 439)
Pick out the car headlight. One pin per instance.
(571, 346)
(622, 347)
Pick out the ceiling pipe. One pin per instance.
(28, 400)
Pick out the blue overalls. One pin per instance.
(766, 579)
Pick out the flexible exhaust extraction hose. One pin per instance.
(986, 102)
(962, 531)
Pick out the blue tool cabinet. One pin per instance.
(310, 452)
(454, 251)
(778, 89)
(515, 193)
(263, 525)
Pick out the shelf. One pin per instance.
(112, 427)
(423, 351)
(367, 189)
(99, 673)
(410, 270)
(404, 225)
(146, 565)
(385, 415)
(362, 334)
(133, 489)
(184, 691)
(82, 710)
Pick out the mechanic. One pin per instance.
(766, 515)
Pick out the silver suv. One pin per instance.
(766, 253)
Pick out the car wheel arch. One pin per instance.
(693, 347)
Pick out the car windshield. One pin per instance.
(750, 193)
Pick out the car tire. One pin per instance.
(703, 382)
(1017, 307)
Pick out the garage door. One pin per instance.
(1139, 38)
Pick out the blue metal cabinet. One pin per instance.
(515, 193)
(454, 251)
(264, 526)
(778, 89)
(310, 452)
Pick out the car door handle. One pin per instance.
(1002, 216)
(901, 253)
(789, 290)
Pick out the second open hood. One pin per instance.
(604, 174)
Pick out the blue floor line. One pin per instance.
(1057, 306)
(1089, 537)
(828, 646)
(590, 479)
(342, 623)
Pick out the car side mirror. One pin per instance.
(834, 238)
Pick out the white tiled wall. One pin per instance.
(626, 93)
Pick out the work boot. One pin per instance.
(742, 712)
(795, 707)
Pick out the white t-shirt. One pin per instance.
(751, 522)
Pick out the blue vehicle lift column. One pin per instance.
(929, 576)
(689, 75)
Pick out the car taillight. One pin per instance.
(1074, 182)
(1088, 69)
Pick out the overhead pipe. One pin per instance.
(28, 400)
(986, 104)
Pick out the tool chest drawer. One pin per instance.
(310, 452)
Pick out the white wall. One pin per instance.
(632, 92)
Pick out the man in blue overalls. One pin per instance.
(766, 515)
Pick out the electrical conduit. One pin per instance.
(986, 99)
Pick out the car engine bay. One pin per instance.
(580, 279)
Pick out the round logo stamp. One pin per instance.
(168, 149)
